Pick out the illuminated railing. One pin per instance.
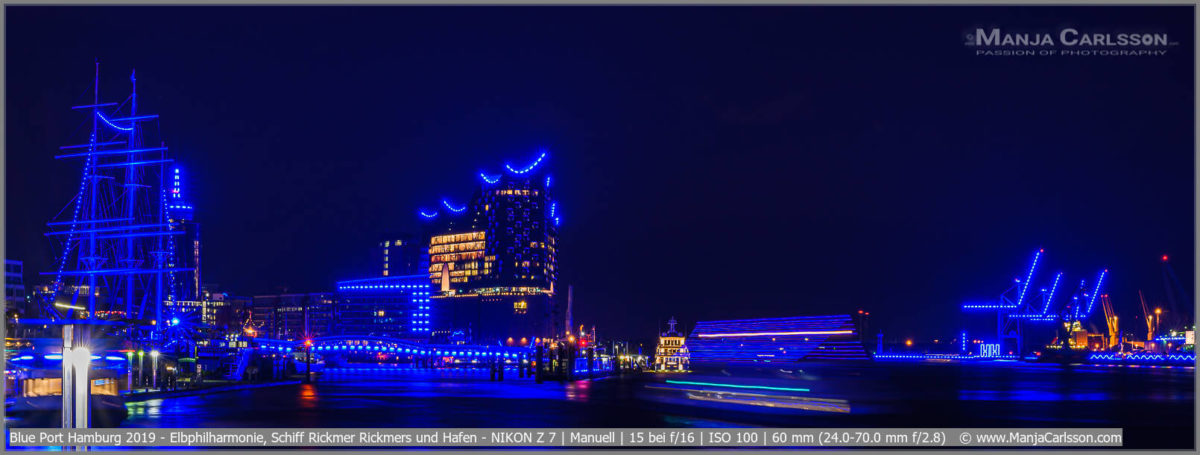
(1171, 339)
(414, 283)
(1144, 358)
(940, 357)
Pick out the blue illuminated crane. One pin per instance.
(114, 236)
(1021, 303)
(1012, 306)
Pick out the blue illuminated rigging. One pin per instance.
(427, 215)
(106, 121)
(117, 228)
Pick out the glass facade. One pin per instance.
(503, 242)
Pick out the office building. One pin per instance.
(493, 260)
(402, 254)
(184, 247)
(14, 284)
(393, 306)
(292, 316)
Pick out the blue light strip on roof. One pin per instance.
(452, 209)
(489, 180)
(528, 168)
(427, 215)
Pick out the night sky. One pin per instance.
(710, 163)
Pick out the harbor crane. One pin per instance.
(1110, 319)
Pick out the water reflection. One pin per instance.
(895, 395)
(578, 390)
(308, 396)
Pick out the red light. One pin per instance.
(860, 312)
(1040, 250)
(308, 342)
(1164, 258)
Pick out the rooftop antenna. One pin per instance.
(570, 298)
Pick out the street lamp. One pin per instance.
(141, 367)
(1157, 320)
(308, 360)
(129, 373)
(154, 378)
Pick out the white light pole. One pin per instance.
(154, 377)
(129, 371)
(76, 361)
(141, 367)
(80, 359)
(68, 377)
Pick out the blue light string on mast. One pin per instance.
(427, 215)
(87, 168)
(109, 123)
(489, 180)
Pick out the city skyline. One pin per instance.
(698, 176)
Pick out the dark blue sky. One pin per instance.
(718, 162)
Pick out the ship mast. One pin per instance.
(115, 238)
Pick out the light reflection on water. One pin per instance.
(897, 395)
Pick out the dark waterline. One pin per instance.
(1153, 405)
